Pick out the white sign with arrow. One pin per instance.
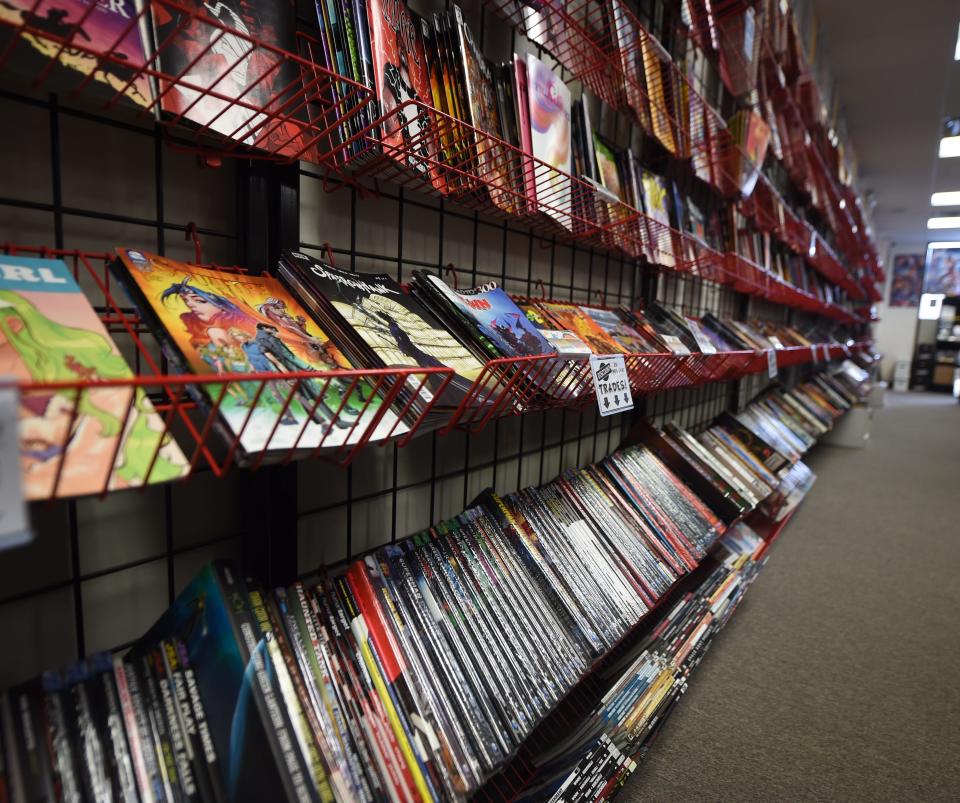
(611, 383)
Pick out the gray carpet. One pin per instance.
(839, 676)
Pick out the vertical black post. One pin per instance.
(269, 222)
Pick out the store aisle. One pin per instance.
(839, 677)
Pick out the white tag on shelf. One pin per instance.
(611, 383)
(14, 522)
(772, 363)
(814, 357)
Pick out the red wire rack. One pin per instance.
(216, 87)
(191, 406)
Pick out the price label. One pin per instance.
(772, 363)
(14, 522)
(611, 383)
(846, 350)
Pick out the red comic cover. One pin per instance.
(402, 80)
(233, 76)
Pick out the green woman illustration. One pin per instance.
(53, 352)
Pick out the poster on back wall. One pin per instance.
(906, 283)
(942, 273)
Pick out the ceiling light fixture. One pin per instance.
(949, 147)
(935, 246)
(947, 222)
(956, 50)
(945, 198)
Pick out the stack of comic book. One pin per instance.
(219, 322)
(642, 687)
(378, 324)
(413, 674)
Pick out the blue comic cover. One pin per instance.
(207, 617)
(498, 318)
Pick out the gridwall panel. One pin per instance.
(100, 571)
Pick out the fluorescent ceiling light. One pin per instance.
(945, 198)
(956, 50)
(951, 244)
(949, 147)
(950, 222)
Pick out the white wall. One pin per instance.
(895, 332)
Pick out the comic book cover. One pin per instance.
(215, 67)
(78, 37)
(497, 317)
(379, 316)
(232, 323)
(657, 208)
(482, 114)
(73, 445)
(572, 318)
(402, 79)
(549, 100)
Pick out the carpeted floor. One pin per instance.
(839, 676)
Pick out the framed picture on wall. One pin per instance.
(906, 284)
(942, 274)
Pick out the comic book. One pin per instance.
(74, 444)
(226, 80)
(215, 322)
(571, 318)
(381, 325)
(402, 80)
(549, 108)
(481, 108)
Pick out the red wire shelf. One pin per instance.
(464, 164)
(573, 33)
(229, 94)
(190, 406)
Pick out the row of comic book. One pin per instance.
(308, 317)
(418, 671)
(643, 687)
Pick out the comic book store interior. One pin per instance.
(490, 400)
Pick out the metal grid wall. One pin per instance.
(101, 571)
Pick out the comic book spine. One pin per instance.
(169, 708)
(118, 740)
(303, 750)
(202, 725)
(414, 771)
(396, 773)
(28, 746)
(138, 746)
(64, 759)
(162, 742)
(275, 723)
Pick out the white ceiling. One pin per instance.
(892, 62)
